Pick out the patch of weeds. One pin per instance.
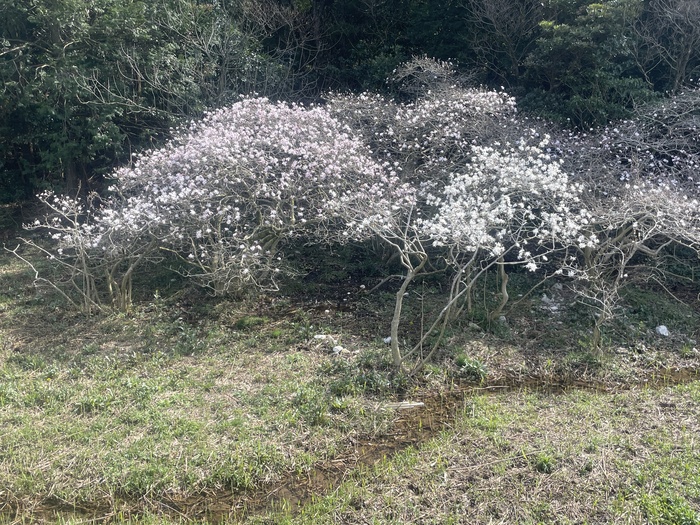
(687, 351)
(339, 404)
(92, 402)
(27, 362)
(482, 416)
(189, 341)
(381, 382)
(542, 511)
(371, 373)
(435, 372)
(378, 375)
(654, 308)
(668, 510)
(585, 360)
(500, 442)
(471, 369)
(587, 468)
(500, 329)
(8, 395)
(591, 447)
(145, 477)
(586, 345)
(38, 396)
(175, 337)
(305, 330)
(140, 390)
(250, 321)
(544, 463)
(345, 383)
(312, 404)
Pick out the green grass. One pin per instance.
(522, 457)
(188, 402)
(150, 406)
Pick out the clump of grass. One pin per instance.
(544, 463)
(313, 404)
(250, 321)
(471, 369)
(369, 373)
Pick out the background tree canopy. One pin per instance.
(87, 83)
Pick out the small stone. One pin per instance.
(337, 350)
(387, 340)
(662, 330)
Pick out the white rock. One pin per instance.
(662, 330)
(387, 340)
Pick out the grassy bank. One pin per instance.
(192, 409)
(533, 457)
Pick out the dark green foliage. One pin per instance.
(582, 68)
(249, 322)
(85, 84)
(544, 463)
(652, 307)
(312, 404)
(579, 62)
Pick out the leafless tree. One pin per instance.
(669, 39)
(505, 32)
(299, 36)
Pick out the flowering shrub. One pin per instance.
(232, 188)
(93, 247)
(511, 198)
(642, 192)
(436, 179)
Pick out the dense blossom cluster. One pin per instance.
(431, 135)
(510, 197)
(661, 144)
